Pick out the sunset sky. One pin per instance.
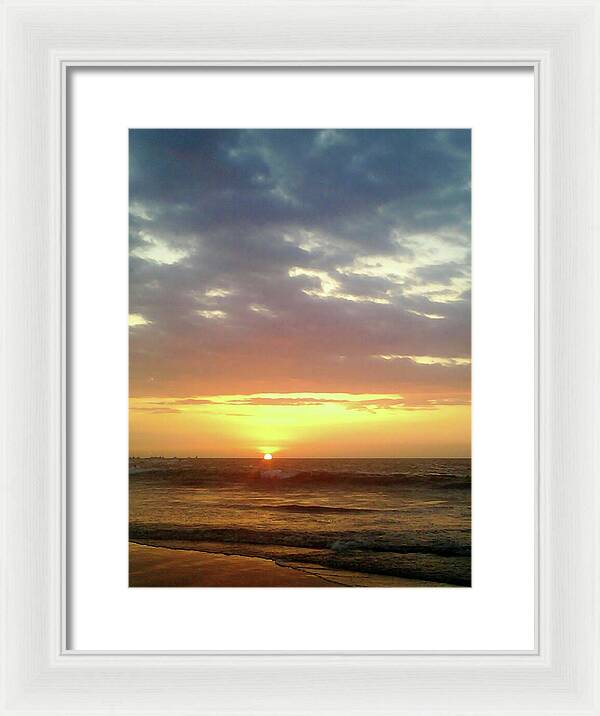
(300, 292)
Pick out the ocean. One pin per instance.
(353, 522)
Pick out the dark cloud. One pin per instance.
(284, 260)
(368, 404)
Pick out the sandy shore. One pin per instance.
(160, 567)
(152, 566)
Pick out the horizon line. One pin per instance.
(300, 457)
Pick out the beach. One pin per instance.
(302, 523)
(306, 522)
(164, 567)
(155, 566)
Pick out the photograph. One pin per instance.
(299, 357)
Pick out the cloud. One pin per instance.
(190, 401)
(212, 315)
(359, 402)
(155, 250)
(262, 310)
(428, 360)
(268, 261)
(136, 319)
(259, 400)
(159, 410)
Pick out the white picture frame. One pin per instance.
(41, 41)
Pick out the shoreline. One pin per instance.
(152, 565)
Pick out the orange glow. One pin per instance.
(299, 425)
(267, 456)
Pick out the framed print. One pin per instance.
(261, 260)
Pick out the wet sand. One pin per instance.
(160, 567)
(152, 566)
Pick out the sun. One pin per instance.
(267, 456)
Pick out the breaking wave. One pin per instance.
(448, 542)
(191, 476)
(400, 517)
